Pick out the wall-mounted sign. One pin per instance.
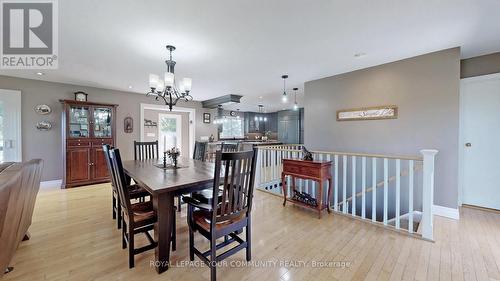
(368, 113)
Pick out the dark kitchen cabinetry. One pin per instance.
(86, 128)
(254, 124)
(289, 126)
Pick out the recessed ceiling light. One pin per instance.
(40, 73)
(130, 87)
(359, 55)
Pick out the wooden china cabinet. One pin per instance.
(86, 126)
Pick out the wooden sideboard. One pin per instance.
(319, 171)
(86, 128)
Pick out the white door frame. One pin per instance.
(461, 141)
(192, 118)
(17, 102)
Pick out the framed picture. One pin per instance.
(206, 118)
(368, 113)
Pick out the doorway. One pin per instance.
(10, 126)
(151, 112)
(479, 141)
(170, 131)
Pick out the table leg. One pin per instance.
(283, 185)
(330, 187)
(320, 197)
(163, 205)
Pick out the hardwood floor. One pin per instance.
(74, 238)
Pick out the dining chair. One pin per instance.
(146, 150)
(224, 217)
(135, 191)
(200, 150)
(136, 218)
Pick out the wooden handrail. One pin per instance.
(275, 148)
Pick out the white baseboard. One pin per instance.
(51, 184)
(446, 212)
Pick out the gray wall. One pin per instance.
(482, 65)
(426, 90)
(47, 145)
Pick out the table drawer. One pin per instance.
(302, 170)
(102, 142)
(291, 169)
(310, 171)
(78, 143)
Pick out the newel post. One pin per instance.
(428, 193)
(258, 168)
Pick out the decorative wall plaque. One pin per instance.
(368, 113)
(42, 109)
(44, 126)
(128, 125)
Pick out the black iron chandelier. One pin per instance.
(166, 89)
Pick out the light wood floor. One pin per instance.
(74, 238)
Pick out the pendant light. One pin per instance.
(284, 97)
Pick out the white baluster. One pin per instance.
(329, 158)
(374, 189)
(386, 187)
(410, 196)
(428, 193)
(353, 192)
(344, 183)
(273, 164)
(336, 183)
(398, 191)
(363, 186)
(313, 183)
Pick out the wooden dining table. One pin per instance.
(164, 185)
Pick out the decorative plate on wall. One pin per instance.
(42, 109)
(44, 126)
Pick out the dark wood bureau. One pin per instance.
(319, 171)
(86, 128)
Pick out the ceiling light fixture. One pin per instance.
(40, 73)
(167, 89)
(130, 87)
(261, 111)
(284, 97)
(295, 105)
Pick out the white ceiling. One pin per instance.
(243, 47)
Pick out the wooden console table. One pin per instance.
(318, 171)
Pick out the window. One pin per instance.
(232, 128)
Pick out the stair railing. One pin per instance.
(404, 185)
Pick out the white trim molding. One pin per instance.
(51, 184)
(446, 212)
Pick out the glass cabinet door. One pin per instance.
(102, 122)
(79, 122)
